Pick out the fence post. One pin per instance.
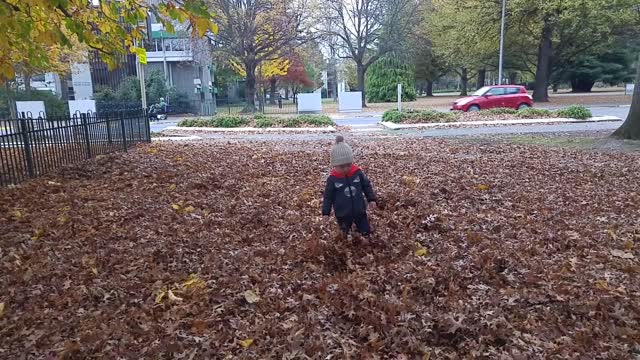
(24, 129)
(108, 117)
(124, 132)
(85, 126)
(147, 126)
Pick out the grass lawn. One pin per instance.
(215, 250)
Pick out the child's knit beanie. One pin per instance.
(341, 152)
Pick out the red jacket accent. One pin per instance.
(353, 170)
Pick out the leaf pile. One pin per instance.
(214, 250)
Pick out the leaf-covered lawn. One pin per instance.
(216, 250)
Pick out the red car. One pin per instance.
(488, 97)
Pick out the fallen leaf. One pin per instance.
(245, 343)
(194, 281)
(175, 207)
(611, 234)
(172, 297)
(160, 296)
(602, 284)
(1, 309)
(628, 245)
(37, 235)
(251, 297)
(189, 209)
(53, 183)
(94, 270)
(621, 254)
(420, 250)
(17, 214)
(482, 187)
(172, 187)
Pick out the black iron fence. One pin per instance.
(33, 147)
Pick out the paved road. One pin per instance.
(368, 123)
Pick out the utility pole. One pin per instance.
(504, 9)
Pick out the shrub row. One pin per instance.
(433, 116)
(261, 121)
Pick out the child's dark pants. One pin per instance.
(361, 221)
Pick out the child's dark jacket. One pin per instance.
(346, 194)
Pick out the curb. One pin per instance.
(393, 126)
(251, 129)
(177, 138)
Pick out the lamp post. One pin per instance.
(504, 8)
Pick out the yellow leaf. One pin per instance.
(421, 252)
(1, 309)
(152, 150)
(194, 281)
(251, 297)
(94, 270)
(482, 187)
(189, 209)
(62, 219)
(602, 284)
(175, 206)
(37, 235)
(612, 234)
(245, 343)
(160, 296)
(172, 297)
(172, 187)
(628, 245)
(17, 214)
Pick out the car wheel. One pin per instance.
(473, 108)
(523, 106)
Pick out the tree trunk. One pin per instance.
(250, 87)
(361, 70)
(581, 85)
(13, 112)
(429, 88)
(464, 82)
(630, 129)
(482, 74)
(272, 90)
(540, 91)
(513, 77)
(26, 77)
(286, 92)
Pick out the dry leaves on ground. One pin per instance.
(215, 250)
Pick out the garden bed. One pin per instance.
(259, 121)
(434, 116)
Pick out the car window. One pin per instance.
(482, 91)
(513, 91)
(497, 91)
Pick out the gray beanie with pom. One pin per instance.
(341, 152)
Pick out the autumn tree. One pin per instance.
(368, 29)
(32, 28)
(255, 31)
(297, 77)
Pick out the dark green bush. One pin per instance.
(575, 112)
(264, 122)
(315, 120)
(532, 113)
(393, 116)
(229, 121)
(500, 111)
(418, 116)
